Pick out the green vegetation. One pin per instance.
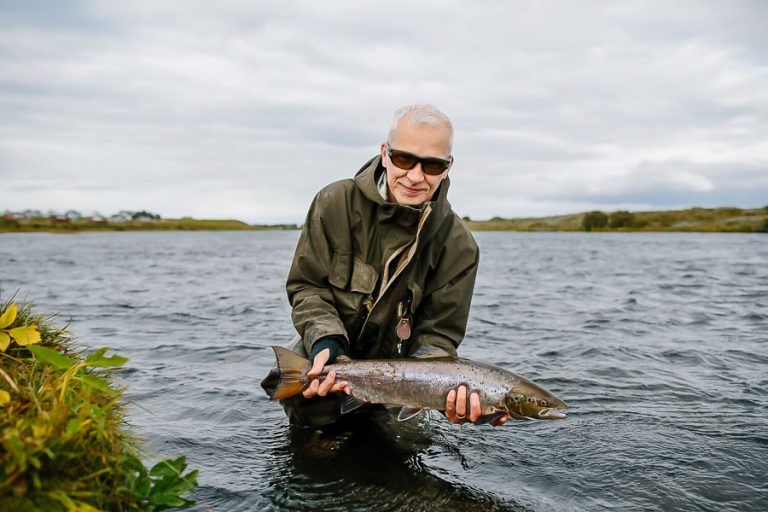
(727, 219)
(63, 441)
(47, 224)
(594, 220)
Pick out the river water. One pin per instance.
(658, 342)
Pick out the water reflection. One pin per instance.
(368, 462)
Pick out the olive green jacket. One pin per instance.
(362, 265)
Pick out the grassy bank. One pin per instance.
(64, 444)
(692, 219)
(726, 219)
(44, 224)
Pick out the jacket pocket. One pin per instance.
(364, 277)
(340, 270)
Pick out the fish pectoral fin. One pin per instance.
(487, 418)
(351, 403)
(407, 413)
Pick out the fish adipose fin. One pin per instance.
(293, 373)
(487, 418)
(407, 413)
(351, 403)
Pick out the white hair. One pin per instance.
(421, 113)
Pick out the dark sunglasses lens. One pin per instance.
(408, 161)
(434, 166)
(403, 160)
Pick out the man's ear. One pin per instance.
(383, 154)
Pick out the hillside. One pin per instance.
(47, 224)
(726, 219)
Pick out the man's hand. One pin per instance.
(329, 385)
(456, 407)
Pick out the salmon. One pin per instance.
(419, 384)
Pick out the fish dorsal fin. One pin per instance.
(351, 403)
(407, 413)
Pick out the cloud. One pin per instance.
(240, 109)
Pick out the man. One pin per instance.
(384, 268)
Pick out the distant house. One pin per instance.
(73, 215)
(32, 214)
(122, 216)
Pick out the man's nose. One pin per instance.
(416, 173)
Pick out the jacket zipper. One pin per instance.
(398, 271)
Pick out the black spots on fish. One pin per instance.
(535, 401)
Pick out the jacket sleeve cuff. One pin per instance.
(333, 343)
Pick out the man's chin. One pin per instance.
(411, 199)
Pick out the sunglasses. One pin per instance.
(407, 161)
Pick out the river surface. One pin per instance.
(658, 342)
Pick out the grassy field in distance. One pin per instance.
(727, 219)
(46, 224)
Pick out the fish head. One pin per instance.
(528, 400)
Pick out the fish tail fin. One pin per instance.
(292, 370)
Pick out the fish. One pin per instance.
(420, 384)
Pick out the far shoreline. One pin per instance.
(701, 220)
(48, 225)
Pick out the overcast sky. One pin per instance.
(245, 109)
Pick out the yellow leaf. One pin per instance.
(5, 340)
(5, 397)
(26, 335)
(80, 506)
(39, 431)
(8, 317)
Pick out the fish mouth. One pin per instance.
(551, 414)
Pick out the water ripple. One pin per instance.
(656, 341)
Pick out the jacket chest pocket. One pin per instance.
(351, 273)
(352, 282)
(364, 277)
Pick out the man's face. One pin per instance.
(414, 186)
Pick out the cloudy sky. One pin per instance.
(244, 109)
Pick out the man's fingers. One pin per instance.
(327, 384)
(500, 421)
(450, 406)
(461, 402)
(312, 389)
(341, 386)
(320, 359)
(474, 407)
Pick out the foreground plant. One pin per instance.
(63, 438)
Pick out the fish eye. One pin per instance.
(516, 398)
(543, 403)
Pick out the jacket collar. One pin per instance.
(366, 180)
